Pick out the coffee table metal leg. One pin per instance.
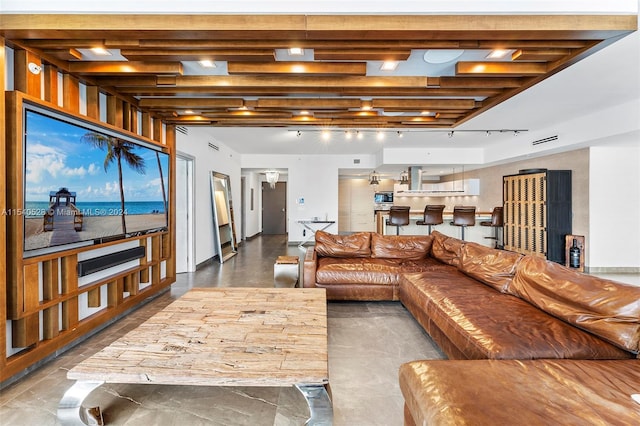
(319, 401)
(70, 409)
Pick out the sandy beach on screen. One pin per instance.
(92, 227)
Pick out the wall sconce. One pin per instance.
(34, 68)
(374, 178)
(272, 177)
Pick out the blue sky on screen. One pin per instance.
(56, 157)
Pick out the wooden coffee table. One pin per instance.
(218, 337)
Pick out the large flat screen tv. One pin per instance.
(86, 184)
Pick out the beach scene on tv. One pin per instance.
(83, 185)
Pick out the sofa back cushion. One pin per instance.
(493, 267)
(608, 309)
(446, 249)
(354, 245)
(409, 247)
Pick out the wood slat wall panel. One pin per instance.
(71, 93)
(53, 277)
(51, 83)
(25, 331)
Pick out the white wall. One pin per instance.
(207, 159)
(251, 218)
(614, 207)
(313, 178)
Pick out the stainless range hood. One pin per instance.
(415, 178)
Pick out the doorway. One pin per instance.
(274, 208)
(185, 252)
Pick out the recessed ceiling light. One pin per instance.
(304, 112)
(425, 113)
(298, 68)
(207, 63)
(296, 51)
(101, 51)
(389, 65)
(188, 111)
(497, 54)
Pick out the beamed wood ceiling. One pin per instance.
(331, 88)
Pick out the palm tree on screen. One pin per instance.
(118, 150)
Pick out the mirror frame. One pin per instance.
(223, 224)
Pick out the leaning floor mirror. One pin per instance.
(223, 225)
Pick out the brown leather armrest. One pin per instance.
(309, 268)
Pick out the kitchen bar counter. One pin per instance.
(474, 233)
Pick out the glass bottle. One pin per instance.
(574, 255)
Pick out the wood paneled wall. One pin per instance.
(42, 296)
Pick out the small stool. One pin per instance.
(497, 221)
(432, 216)
(464, 216)
(285, 271)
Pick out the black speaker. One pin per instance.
(89, 266)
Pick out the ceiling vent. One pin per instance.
(545, 140)
(182, 130)
(356, 161)
(212, 146)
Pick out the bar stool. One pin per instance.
(432, 216)
(398, 216)
(497, 221)
(464, 216)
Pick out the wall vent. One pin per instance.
(212, 146)
(545, 140)
(356, 161)
(182, 130)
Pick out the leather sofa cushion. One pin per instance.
(484, 323)
(344, 271)
(410, 247)
(490, 266)
(354, 245)
(446, 249)
(509, 392)
(606, 308)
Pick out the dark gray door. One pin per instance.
(274, 208)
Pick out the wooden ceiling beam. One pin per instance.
(64, 54)
(261, 55)
(255, 115)
(501, 68)
(361, 54)
(540, 55)
(298, 68)
(325, 27)
(532, 44)
(299, 91)
(289, 81)
(468, 27)
(124, 68)
(190, 103)
(309, 103)
(480, 82)
(425, 104)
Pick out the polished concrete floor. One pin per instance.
(367, 344)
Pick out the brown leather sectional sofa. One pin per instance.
(572, 334)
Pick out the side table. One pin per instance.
(286, 271)
(313, 226)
